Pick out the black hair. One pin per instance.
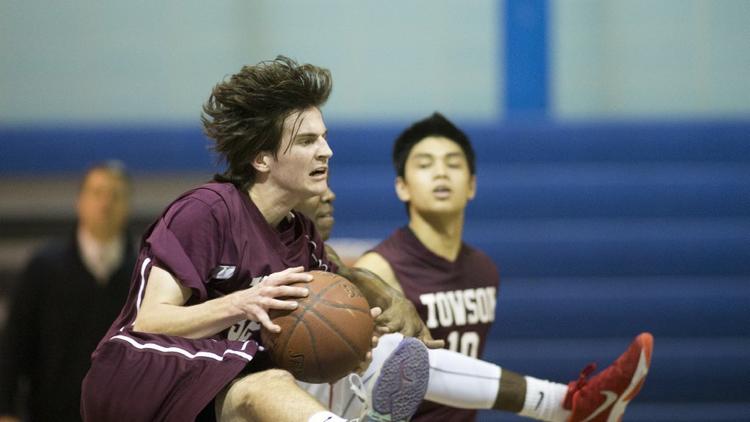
(435, 125)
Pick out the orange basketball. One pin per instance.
(327, 336)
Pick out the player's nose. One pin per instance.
(328, 196)
(440, 170)
(324, 151)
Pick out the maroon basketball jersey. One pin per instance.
(215, 241)
(455, 299)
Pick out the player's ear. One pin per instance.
(261, 162)
(472, 186)
(402, 191)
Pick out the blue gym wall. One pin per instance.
(612, 142)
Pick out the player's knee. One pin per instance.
(274, 378)
(252, 390)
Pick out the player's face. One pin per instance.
(301, 166)
(103, 204)
(319, 209)
(437, 179)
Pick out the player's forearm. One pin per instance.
(163, 310)
(377, 291)
(196, 321)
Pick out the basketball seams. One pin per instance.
(306, 305)
(324, 290)
(335, 304)
(291, 331)
(313, 345)
(329, 324)
(344, 306)
(335, 330)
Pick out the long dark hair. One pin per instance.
(245, 114)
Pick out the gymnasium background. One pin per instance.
(613, 143)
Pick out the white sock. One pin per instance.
(544, 400)
(325, 417)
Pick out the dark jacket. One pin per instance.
(58, 314)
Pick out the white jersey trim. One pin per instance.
(143, 284)
(153, 346)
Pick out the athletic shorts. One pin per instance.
(144, 377)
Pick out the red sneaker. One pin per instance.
(604, 397)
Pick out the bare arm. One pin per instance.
(399, 314)
(162, 310)
(375, 263)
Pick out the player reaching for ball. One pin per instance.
(434, 163)
(222, 256)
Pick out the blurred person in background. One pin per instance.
(64, 301)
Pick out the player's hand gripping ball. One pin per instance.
(327, 336)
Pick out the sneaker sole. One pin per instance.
(402, 383)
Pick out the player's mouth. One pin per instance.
(320, 172)
(325, 217)
(442, 192)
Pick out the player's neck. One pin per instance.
(273, 203)
(441, 235)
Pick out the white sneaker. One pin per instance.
(400, 384)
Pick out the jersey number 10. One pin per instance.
(466, 343)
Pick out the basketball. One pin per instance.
(327, 336)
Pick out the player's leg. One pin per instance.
(265, 396)
(464, 382)
(603, 398)
(460, 381)
(398, 389)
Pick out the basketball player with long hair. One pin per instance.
(222, 255)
